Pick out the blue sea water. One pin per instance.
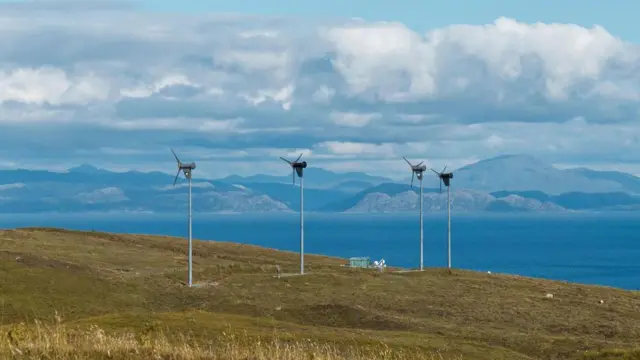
(598, 248)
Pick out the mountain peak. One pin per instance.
(510, 162)
(513, 157)
(84, 168)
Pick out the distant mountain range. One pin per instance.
(317, 178)
(526, 173)
(512, 183)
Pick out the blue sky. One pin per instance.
(234, 85)
(620, 17)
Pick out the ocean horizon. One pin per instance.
(589, 248)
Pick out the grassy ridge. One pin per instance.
(129, 285)
(63, 342)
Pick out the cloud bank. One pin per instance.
(117, 87)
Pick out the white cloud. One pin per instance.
(180, 124)
(352, 148)
(352, 119)
(50, 85)
(120, 87)
(11, 186)
(386, 58)
(143, 90)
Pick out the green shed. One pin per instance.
(361, 262)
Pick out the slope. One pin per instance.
(290, 195)
(526, 173)
(629, 182)
(133, 283)
(315, 177)
(388, 188)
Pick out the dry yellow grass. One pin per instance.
(60, 342)
(131, 286)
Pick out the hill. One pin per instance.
(112, 287)
(315, 177)
(397, 198)
(528, 185)
(526, 173)
(86, 188)
(289, 195)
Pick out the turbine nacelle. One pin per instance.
(186, 168)
(416, 170)
(189, 166)
(445, 177)
(297, 167)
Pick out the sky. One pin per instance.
(354, 86)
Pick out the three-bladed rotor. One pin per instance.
(297, 166)
(186, 168)
(416, 170)
(444, 177)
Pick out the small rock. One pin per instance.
(278, 308)
(601, 301)
(549, 296)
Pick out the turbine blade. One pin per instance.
(298, 157)
(437, 173)
(175, 156)
(420, 163)
(293, 176)
(405, 159)
(412, 176)
(441, 186)
(445, 168)
(287, 161)
(176, 179)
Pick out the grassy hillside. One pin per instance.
(82, 294)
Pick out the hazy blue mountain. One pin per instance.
(86, 188)
(461, 201)
(630, 183)
(398, 199)
(579, 200)
(352, 186)
(504, 183)
(538, 195)
(388, 189)
(288, 194)
(526, 173)
(313, 178)
(85, 174)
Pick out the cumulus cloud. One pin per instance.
(118, 87)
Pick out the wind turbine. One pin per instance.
(446, 179)
(417, 171)
(298, 167)
(186, 169)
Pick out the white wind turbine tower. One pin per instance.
(446, 179)
(298, 167)
(187, 170)
(417, 171)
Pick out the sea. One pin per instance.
(588, 248)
